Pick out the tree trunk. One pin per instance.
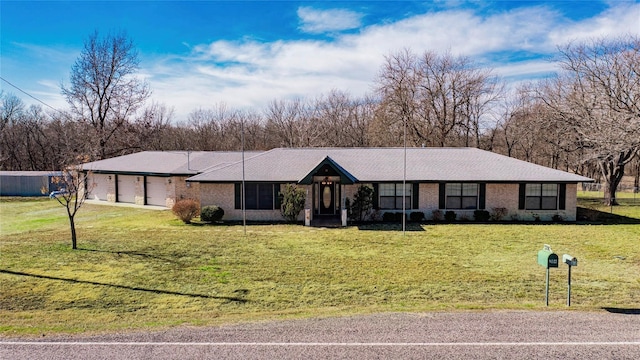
(72, 223)
(636, 176)
(612, 172)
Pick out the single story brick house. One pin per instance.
(447, 179)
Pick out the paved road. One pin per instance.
(462, 335)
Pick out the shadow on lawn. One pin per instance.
(593, 216)
(155, 291)
(130, 253)
(622, 311)
(390, 227)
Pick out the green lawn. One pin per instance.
(139, 269)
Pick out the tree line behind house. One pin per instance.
(584, 119)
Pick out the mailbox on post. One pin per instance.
(547, 258)
(571, 261)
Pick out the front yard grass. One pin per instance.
(144, 269)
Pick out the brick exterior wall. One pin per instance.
(223, 195)
(428, 199)
(506, 196)
(180, 189)
(497, 196)
(139, 198)
(500, 196)
(111, 193)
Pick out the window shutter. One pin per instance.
(522, 193)
(278, 198)
(238, 195)
(416, 194)
(144, 187)
(442, 196)
(376, 205)
(482, 196)
(562, 193)
(115, 181)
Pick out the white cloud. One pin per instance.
(621, 19)
(250, 74)
(525, 70)
(316, 21)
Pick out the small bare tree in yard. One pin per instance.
(74, 185)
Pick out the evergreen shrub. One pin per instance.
(211, 213)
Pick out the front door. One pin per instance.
(327, 198)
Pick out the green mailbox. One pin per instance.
(547, 258)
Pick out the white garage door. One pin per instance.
(127, 188)
(156, 188)
(98, 186)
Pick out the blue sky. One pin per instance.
(197, 54)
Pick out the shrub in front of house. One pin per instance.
(436, 215)
(362, 203)
(450, 216)
(481, 215)
(498, 213)
(186, 210)
(416, 216)
(211, 213)
(375, 215)
(389, 217)
(292, 200)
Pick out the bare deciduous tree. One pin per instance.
(104, 90)
(342, 120)
(596, 95)
(150, 128)
(74, 185)
(397, 86)
(442, 99)
(289, 124)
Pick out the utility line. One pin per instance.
(29, 95)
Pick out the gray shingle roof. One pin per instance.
(167, 162)
(386, 164)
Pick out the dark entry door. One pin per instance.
(327, 203)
